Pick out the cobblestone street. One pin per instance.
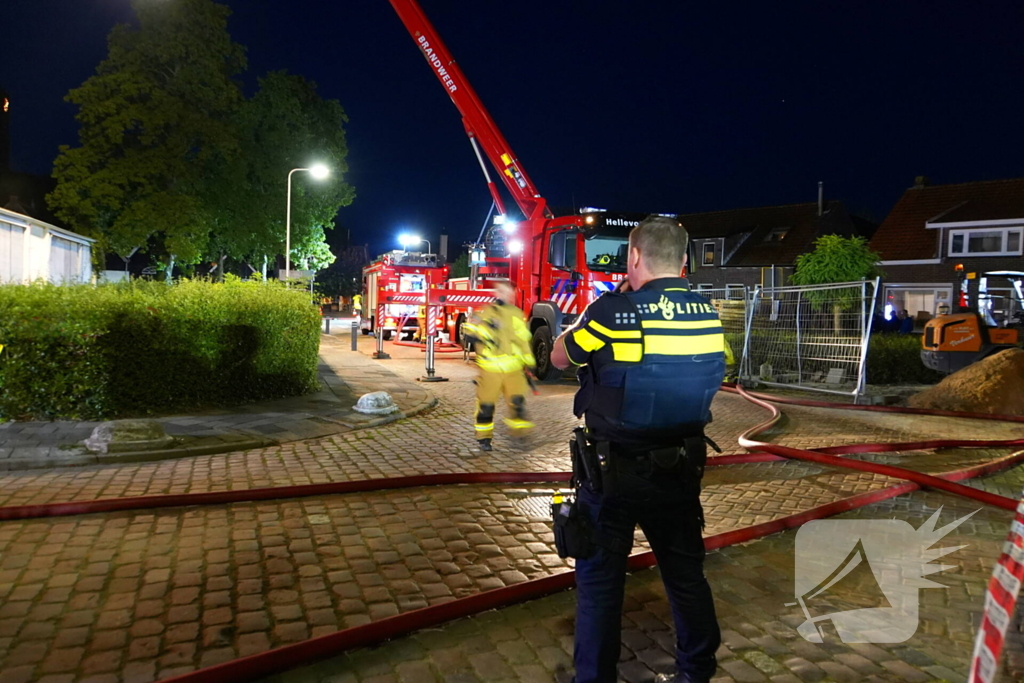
(144, 595)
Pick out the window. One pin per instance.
(919, 301)
(607, 253)
(705, 288)
(734, 291)
(709, 254)
(776, 235)
(991, 242)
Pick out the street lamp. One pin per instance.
(407, 240)
(319, 172)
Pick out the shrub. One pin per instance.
(896, 359)
(117, 350)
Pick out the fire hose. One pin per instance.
(290, 656)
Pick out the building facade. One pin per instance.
(740, 248)
(934, 228)
(32, 250)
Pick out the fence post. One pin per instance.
(745, 358)
(355, 334)
(428, 358)
(379, 354)
(867, 315)
(799, 357)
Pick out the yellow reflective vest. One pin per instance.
(501, 338)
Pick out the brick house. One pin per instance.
(745, 247)
(933, 228)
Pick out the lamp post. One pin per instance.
(319, 172)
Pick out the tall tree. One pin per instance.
(157, 121)
(285, 125)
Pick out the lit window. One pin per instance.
(709, 254)
(777, 235)
(990, 242)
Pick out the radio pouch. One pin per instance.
(573, 533)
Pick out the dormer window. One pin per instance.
(709, 254)
(777, 235)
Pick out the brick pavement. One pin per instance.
(136, 595)
(753, 585)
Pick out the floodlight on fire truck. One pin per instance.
(515, 246)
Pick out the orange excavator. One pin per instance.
(984, 323)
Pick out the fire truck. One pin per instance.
(398, 272)
(557, 264)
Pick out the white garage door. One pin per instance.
(12, 253)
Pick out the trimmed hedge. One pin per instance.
(896, 359)
(117, 350)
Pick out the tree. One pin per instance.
(344, 277)
(175, 161)
(156, 123)
(460, 266)
(836, 259)
(285, 125)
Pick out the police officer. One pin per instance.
(502, 343)
(652, 357)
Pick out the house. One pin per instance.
(742, 248)
(33, 250)
(933, 228)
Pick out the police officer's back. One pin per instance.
(651, 360)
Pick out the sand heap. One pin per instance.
(994, 385)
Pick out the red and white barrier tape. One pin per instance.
(1000, 601)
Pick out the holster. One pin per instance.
(592, 463)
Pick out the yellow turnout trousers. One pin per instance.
(491, 385)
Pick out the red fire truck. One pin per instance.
(557, 264)
(398, 272)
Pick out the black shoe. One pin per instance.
(485, 445)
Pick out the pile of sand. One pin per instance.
(994, 385)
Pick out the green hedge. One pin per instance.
(118, 350)
(896, 359)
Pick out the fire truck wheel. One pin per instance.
(541, 344)
(459, 339)
(387, 335)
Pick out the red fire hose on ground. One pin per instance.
(290, 656)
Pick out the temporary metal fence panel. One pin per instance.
(812, 337)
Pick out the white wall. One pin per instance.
(32, 250)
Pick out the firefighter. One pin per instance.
(421, 324)
(502, 344)
(651, 358)
(357, 306)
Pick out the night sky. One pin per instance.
(638, 106)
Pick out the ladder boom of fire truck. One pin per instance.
(480, 127)
(557, 265)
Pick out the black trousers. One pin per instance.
(668, 510)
